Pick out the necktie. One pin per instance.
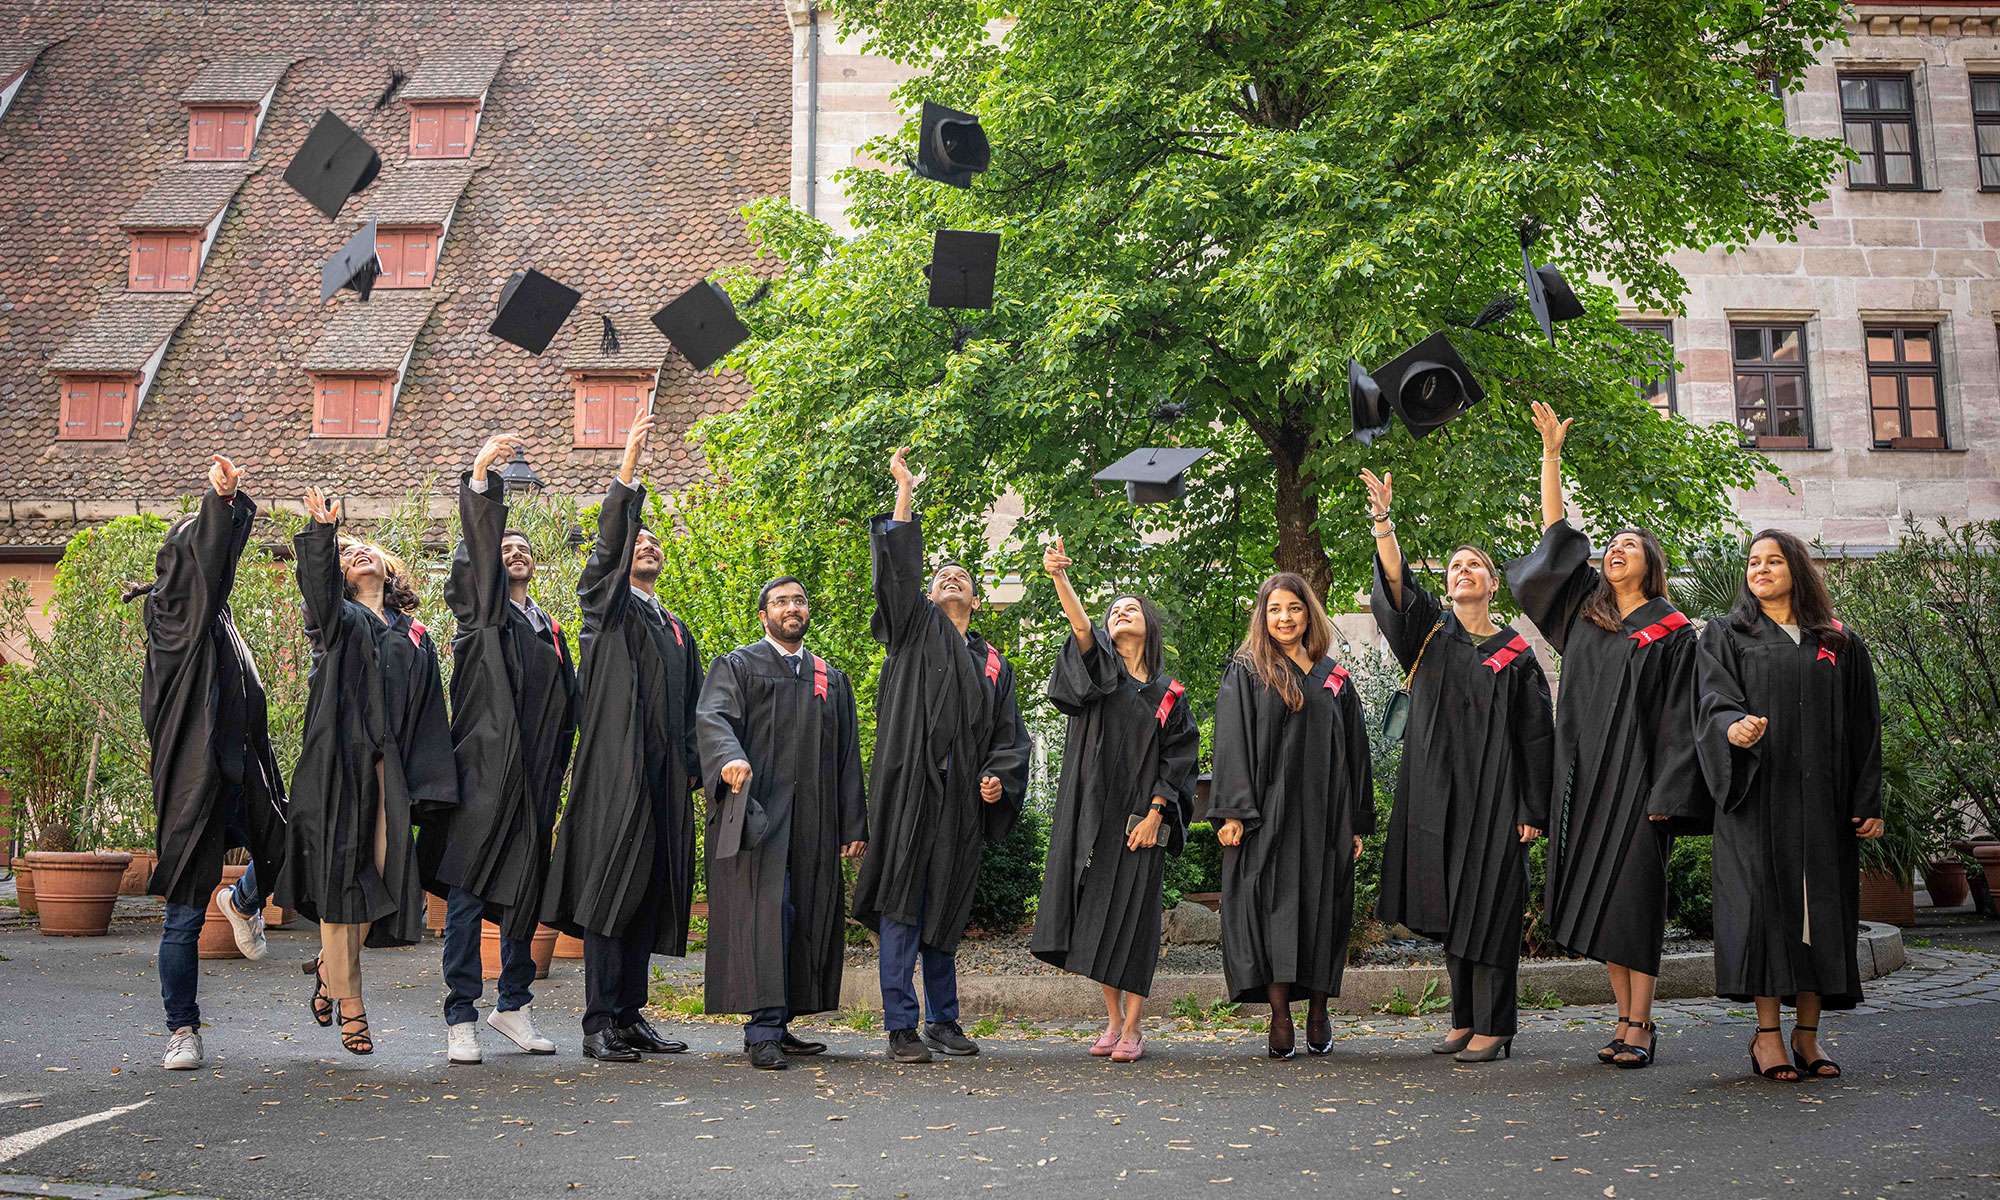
(792, 661)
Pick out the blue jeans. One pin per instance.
(768, 1024)
(462, 914)
(180, 950)
(900, 947)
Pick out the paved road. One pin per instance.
(281, 1110)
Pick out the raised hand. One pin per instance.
(1746, 732)
(224, 475)
(323, 511)
(1552, 428)
(1054, 562)
(1380, 490)
(899, 469)
(635, 441)
(498, 446)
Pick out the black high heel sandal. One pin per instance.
(1642, 1056)
(320, 1003)
(356, 1041)
(1771, 1072)
(1291, 1041)
(1318, 1048)
(1812, 1068)
(1608, 1054)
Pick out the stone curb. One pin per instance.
(1363, 989)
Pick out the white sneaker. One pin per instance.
(461, 1042)
(518, 1027)
(183, 1050)
(249, 930)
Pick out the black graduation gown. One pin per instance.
(375, 699)
(512, 721)
(801, 738)
(1624, 753)
(1127, 743)
(1786, 858)
(1303, 786)
(204, 710)
(945, 716)
(633, 783)
(1476, 764)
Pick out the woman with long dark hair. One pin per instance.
(1473, 788)
(1122, 805)
(1791, 745)
(1625, 778)
(377, 755)
(1292, 796)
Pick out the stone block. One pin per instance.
(1191, 924)
(1885, 231)
(1828, 263)
(1864, 498)
(25, 1185)
(105, 510)
(43, 510)
(1826, 231)
(1934, 498)
(1952, 235)
(1982, 500)
(1901, 264)
(1767, 260)
(1863, 532)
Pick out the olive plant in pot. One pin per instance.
(1886, 862)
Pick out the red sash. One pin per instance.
(819, 676)
(1507, 653)
(1174, 692)
(1660, 628)
(1826, 655)
(1335, 679)
(992, 664)
(417, 633)
(562, 652)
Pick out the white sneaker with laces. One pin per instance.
(249, 930)
(518, 1026)
(183, 1050)
(462, 1042)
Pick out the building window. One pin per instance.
(1880, 117)
(1659, 389)
(1986, 129)
(606, 406)
(443, 130)
(163, 262)
(351, 406)
(408, 256)
(1773, 399)
(221, 133)
(96, 408)
(1904, 388)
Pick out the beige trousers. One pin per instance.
(340, 945)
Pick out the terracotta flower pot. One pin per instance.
(1887, 898)
(218, 940)
(75, 893)
(568, 947)
(542, 949)
(24, 886)
(278, 918)
(139, 874)
(434, 911)
(1945, 881)
(1987, 853)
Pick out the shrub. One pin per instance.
(1199, 867)
(1010, 874)
(1689, 879)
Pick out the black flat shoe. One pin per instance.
(608, 1047)
(645, 1039)
(766, 1056)
(1642, 1056)
(1771, 1073)
(1810, 1068)
(906, 1047)
(946, 1037)
(795, 1046)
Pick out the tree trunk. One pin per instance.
(1300, 547)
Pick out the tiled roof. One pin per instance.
(187, 196)
(371, 335)
(124, 331)
(455, 73)
(640, 344)
(420, 192)
(16, 56)
(237, 79)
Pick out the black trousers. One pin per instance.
(616, 969)
(1483, 997)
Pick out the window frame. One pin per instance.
(324, 381)
(1902, 372)
(1667, 385)
(163, 242)
(1769, 369)
(221, 114)
(394, 242)
(443, 112)
(1984, 119)
(96, 380)
(1876, 118)
(610, 436)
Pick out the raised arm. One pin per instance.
(1388, 551)
(476, 589)
(906, 485)
(316, 563)
(1553, 430)
(197, 564)
(1057, 564)
(896, 551)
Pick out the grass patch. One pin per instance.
(670, 999)
(1189, 1008)
(1919, 943)
(1433, 999)
(861, 1020)
(985, 1026)
(1546, 998)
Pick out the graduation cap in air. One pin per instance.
(532, 308)
(334, 163)
(1550, 297)
(962, 267)
(1153, 476)
(1427, 386)
(702, 324)
(352, 266)
(951, 146)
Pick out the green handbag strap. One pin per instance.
(1418, 661)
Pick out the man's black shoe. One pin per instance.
(643, 1038)
(947, 1038)
(766, 1056)
(792, 1045)
(608, 1047)
(906, 1047)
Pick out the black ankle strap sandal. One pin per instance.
(1813, 1068)
(1772, 1072)
(1612, 1047)
(1642, 1056)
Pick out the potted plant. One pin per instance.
(541, 948)
(1886, 891)
(75, 890)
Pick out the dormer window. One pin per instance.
(164, 262)
(443, 129)
(221, 132)
(408, 255)
(96, 408)
(606, 405)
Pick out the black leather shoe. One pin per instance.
(767, 1056)
(643, 1038)
(947, 1038)
(608, 1047)
(792, 1045)
(906, 1047)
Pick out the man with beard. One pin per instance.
(513, 694)
(781, 757)
(622, 877)
(951, 765)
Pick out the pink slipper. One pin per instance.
(1130, 1049)
(1103, 1045)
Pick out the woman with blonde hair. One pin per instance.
(1292, 796)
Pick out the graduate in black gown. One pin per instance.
(1626, 779)
(377, 757)
(1791, 744)
(513, 698)
(950, 768)
(781, 758)
(1129, 756)
(1292, 796)
(1473, 788)
(622, 874)
(215, 780)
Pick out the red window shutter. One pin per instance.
(426, 132)
(204, 133)
(333, 406)
(593, 413)
(458, 130)
(389, 252)
(409, 257)
(148, 271)
(95, 408)
(626, 401)
(218, 133)
(235, 133)
(371, 405)
(441, 130)
(180, 257)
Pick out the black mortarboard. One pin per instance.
(951, 146)
(962, 268)
(702, 324)
(352, 266)
(1550, 297)
(1153, 476)
(1427, 386)
(1365, 406)
(532, 308)
(334, 163)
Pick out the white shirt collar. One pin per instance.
(782, 652)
